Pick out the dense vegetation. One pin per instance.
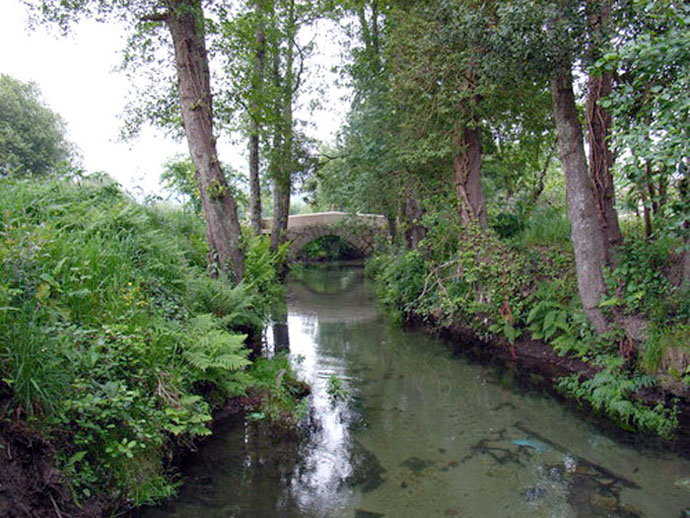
(116, 344)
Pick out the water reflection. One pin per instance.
(422, 434)
(318, 486)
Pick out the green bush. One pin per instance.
(399, 279)
(281, 392)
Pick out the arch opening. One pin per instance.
(326, 248)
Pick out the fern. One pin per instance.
(613, 391)
(214, 348)
(235, 305)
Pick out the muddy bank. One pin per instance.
(31, 485)
(535, 363)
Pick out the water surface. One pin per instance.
(419, 434)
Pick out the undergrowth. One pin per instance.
(114, 341)
(613, 390)
(525, 286)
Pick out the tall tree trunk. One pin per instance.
(598, 122)
(647, 196)
(185, 22)
(391, 226)
(281, 211)
(467, 169)
(601, 159)
(284, 136)
(254, 129)
(414, 232)
(647, 217)
(588, 241)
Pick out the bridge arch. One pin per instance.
(298, 240)
(363, 231)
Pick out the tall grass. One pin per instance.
(101, 301)
(546, 226)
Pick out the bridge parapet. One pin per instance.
(327, 218)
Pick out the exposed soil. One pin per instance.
(538, 364)
(30, 485)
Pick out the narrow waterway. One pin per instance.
(415, 432)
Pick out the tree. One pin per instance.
(430, 105)
(179, 177)
(436, 81)
(543, 43)
(259, 70)
(244, 94)
(363, 173)
(598, 122)
(650, 108)
(185, 23)
(287, 68)
(32, 136)
(588, 243)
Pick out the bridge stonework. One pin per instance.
(363, 231)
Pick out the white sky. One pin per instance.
(76, 75)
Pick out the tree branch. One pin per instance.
(155, 17)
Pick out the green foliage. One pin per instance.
(612, 391)
(639, 277)
(179, 177)
(667, 351)
(32, 136)
(651, 106)
(399, 279)
(547, 226)
(335, 389)
(213, 348)
(35, 373)
(113, 338)
(282, 394)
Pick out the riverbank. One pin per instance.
(517, 304)
(537, 365)
(117, 350)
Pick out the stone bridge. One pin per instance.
(362, 231)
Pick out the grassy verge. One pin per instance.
(115, 345)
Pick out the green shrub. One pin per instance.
(399, 279)
(282, 394)
(638, 279)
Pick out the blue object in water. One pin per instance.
(539, 447)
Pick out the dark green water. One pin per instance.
(423, 434)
